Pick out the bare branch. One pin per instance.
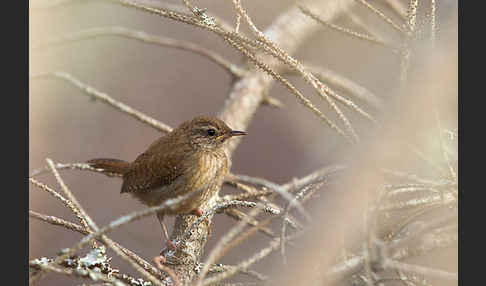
(428, 200)
(219, 268)
(452, 172)
(146, 38)
(398, 7)
(315, 177)
(433, 20)
(383, 16)
(218, 250)
(90, 91)
(392, 264)
(58, 221)
(346, 31)
(435, 240)
(65, 201)
(412, 14)
(278, 189)
(85, 219)
(349, 86)
(239, 215)
(273, 245)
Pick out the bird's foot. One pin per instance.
(198, 212)
(159, 261)
(171, 245)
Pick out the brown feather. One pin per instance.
(157, 167)
(110, 166)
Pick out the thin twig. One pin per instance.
(58, 221)
(222, 205)
(406, 53)
(314, 177)
(383, 16)
(422, 156)
(239, 215)
(346, 31)
(90, 91)
(67, 202)
(393, 264)
(330, 76)
(273, 245)
(397, 7)
(238, 21)
(354, 264)
(433, 21)
(411, 177)
(395, 245)
(219, 268)
(412, 14)
(254, 193)
(217, 251)
(146, 38)
(452, 172)
(278, 189)
(299, 196)
(349, 86)
(86, 219)
(427, 200)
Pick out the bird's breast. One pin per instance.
(200, 180)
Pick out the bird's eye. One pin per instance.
(211, 132)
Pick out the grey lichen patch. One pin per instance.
(168, 281)
(136, 282)
(197, 268)
(94, 258)
(39, 262)
(42, 261)
(201, 13)
(95, 264)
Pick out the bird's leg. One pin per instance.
(160, 216)
(160, 259)
(198, 212)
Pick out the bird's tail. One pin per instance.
(110, 167)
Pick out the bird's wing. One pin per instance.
(159, 168)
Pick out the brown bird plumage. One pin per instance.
(190, 159)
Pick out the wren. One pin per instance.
(190, 160)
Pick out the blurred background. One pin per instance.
(172, 86)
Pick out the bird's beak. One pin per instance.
(237, 133)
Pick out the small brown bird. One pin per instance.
(190, 159)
